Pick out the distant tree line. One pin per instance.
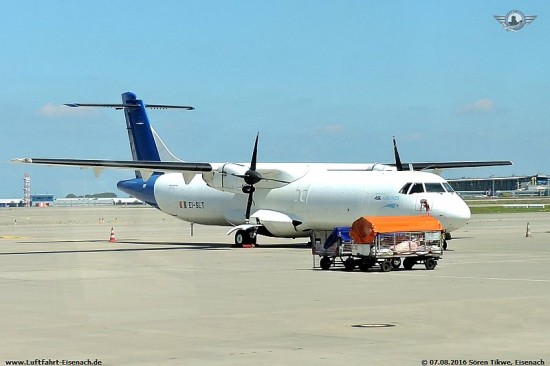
(96, 195)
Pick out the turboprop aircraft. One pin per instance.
(274, 199)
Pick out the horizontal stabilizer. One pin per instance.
(120, 106)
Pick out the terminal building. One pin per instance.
(537, 185)
(12, 202)
(48, 200)
(115, 201)
(42, 200)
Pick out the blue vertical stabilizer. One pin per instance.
(142, 141)
(143, 146)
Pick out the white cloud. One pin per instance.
(415, 136)
(55, 110)
(484, 105)
(332, 128)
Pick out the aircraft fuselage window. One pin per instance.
(405, 188)
(434, 187)
(448, 187)
(417, 188)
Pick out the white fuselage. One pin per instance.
(320, 199)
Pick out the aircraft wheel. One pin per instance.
(244, 237)
(325, 263)
(395, 263)
(386, 266)
(430, 263)
(241, 237)
(408, 263)
(349, 264)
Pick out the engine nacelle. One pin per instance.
(228, 177)
(277, 223)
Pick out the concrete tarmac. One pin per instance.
(159, 296)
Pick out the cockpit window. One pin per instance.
(448, 187)
(411, 188)
(405, 188)
(417, 188)
(434, 187)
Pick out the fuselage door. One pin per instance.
(301, 194)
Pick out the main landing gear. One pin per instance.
(245, 237)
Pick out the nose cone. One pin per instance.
(454, 214)
(462, 214)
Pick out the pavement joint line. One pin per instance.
(506, 261)
(481, 278)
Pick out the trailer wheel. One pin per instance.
(430, 263)
(386, 265)
(365, 264)
(349, 264)
(396, 263)
(408, 263)
(325, 263)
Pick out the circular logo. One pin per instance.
(514, 20)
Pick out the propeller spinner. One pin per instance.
(252, 177)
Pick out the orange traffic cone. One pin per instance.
(112, 239)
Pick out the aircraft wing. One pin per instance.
(157, 166)
(271, 178)
(453, 164)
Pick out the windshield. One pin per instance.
(448, 187)
(418, 187)
(434, 187)
(405, 188)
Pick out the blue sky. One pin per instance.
(322, 81)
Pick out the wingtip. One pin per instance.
(21, 160)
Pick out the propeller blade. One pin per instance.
(249, 205)
(398, 164)
(254, 154)
(252, 177)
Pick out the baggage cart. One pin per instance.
(388, 242)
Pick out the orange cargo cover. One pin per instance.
(364, 229)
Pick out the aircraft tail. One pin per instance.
(145, 143)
